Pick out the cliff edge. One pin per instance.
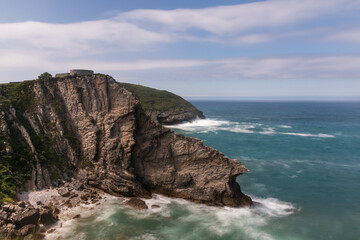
(93, 129)
(162, 106)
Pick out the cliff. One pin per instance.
(93, 129)
(163, 106)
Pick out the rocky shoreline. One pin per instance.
(40, 213)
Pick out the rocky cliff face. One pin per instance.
(93, 129)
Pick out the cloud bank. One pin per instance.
(57, 47)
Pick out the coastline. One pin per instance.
(105, 212)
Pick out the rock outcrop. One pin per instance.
(175, 117)
(164, 107)
(97, 132)
(137, 204)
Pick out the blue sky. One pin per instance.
(212, 49)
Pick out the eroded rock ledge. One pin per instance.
(101, 136)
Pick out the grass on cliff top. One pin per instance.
(153, 99)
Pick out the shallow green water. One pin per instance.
(305, 173)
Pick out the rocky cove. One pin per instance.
(88, 134)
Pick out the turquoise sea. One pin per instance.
(304, 161)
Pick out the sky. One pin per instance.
(197, 49)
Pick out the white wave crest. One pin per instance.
(273, 207)
(268, 131)
(214, 125)
(320, 135)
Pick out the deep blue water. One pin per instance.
(319, 171)
(304, 161)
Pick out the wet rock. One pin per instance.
(137, 204)
(76, 216)
(155, 206)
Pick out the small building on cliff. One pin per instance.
(77, 72)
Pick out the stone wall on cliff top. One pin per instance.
(97, 131)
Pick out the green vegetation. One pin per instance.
(153, 99)
(16, 165)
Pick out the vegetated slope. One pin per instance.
(91, 129)
(163, 106)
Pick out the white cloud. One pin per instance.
(138, 29)
(322, 67)
(57, 47)
(81, 38)
(352, 36)
(238, 18)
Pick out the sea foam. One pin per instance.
(215, 125)
(219, 221)
(320, 135)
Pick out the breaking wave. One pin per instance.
(215, 125)
(172, 217)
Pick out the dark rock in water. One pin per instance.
(29, 216)
(137, 204)
(64, 192)
(76, 216)
(155, 206)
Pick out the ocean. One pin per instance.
(304, 162)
